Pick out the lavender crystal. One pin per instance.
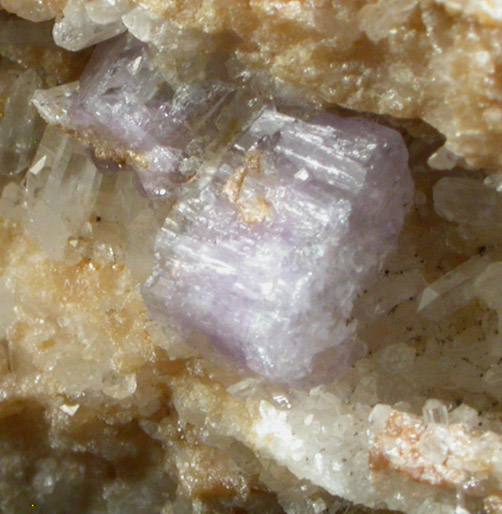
(127, 111)
(264, 257)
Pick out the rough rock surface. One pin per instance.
(102, 411)
(433, 59)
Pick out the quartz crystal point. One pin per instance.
(264, 258)
(87, 23)
(18, 126)
(57, 195)
(124, 108)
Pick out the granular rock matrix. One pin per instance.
(250, 256)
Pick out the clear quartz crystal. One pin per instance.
(52, 104)
(435, 412)
(468, 201)
(88, 23)
(18, 126)
(58, 194)
(456, 288)
(264, 257)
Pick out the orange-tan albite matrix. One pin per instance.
(438, 60)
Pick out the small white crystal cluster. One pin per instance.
(441, 449)
(183, 54)
(58, 193)
(84, 24)
(102, 411)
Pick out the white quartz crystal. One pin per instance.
(454, 289)
(58, 195)
(83, 24)
(19, 129)
(271, 253)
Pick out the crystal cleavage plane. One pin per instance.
(266, 253)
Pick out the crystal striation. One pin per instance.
(265, 259)
(102, 410)
(126, 111)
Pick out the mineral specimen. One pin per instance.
(104, 410)
(267, 258)
(58, 194)
(124, 108)
(18, 126)
(404, 58)
(390, 57)
(87, 23)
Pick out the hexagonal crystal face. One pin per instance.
(266, 253)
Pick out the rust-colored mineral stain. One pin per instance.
(406, 458)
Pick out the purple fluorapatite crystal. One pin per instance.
(125, 109)
(267, 253)
(264, 253)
